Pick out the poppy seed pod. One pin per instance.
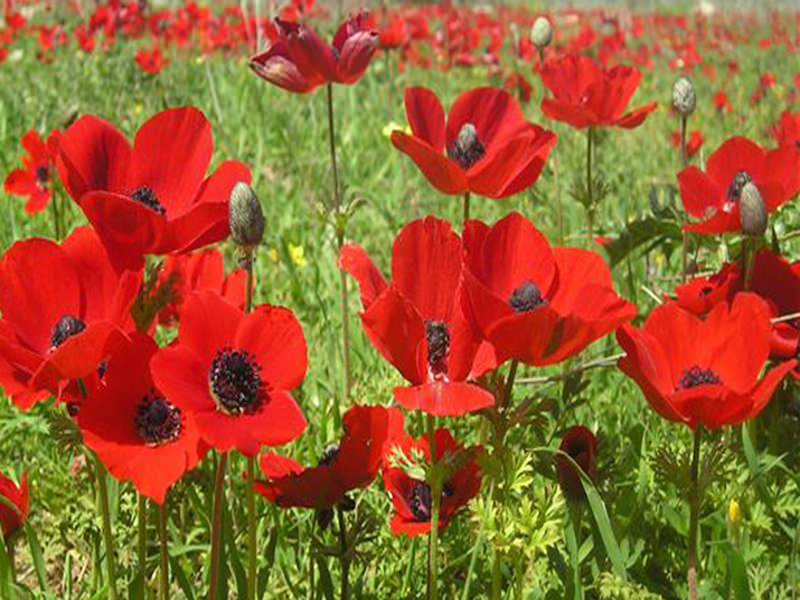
(246, 216)
(541, 33)
(752, 211)
(581, 445)
(684, 98)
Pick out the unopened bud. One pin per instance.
(580, 445)
(683, 97)
(246, 216)
(541, 33)
(734, 521)
(752, 211)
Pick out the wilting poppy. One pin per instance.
(80, 302)
(153, 198)
(486, 146)
(12, 517)
(233, 372)
(137, 432)
(299, 61)
(535, 303)
(580, 444)
(713, 195)
(417, 322)
(352, 463)
(35, 179)
(704, 371)
(412, 497)
(586, 95)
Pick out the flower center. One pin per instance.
(157, 421)
(437, 337)
(697, 376)
(421, 498)
(66, 327)
(526, 298)
(737, 184)
(467, 149)
(145, 195)
(328, 455)
(235, 381)
(42, 176)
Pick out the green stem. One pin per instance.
(108, 539)
(436, 500)
(10, 551)
(685, 240)
(748, 254)
(162, 538)
(216, 526)
(141, 520)
(694, 509)
(466, 207)
(684, 150)
(344, 559)
(590, 208)
(252, 527)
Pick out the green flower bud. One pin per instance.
(541, 33)
(752, 211)
(683, 97)
(246, 216)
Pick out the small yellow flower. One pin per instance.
(297, 255)
(735, 512)
(392, 126)
(138, 108)
(273, 254)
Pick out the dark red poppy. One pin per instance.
(201, 270)
(580, 444)
(299, 61)
(35, 178)
(137, 432)
(586, 95)
(351, 464)
(153, 198)
(233, 372)
(534, 303)
(12, 517)
(693, 143)
(486, 146)
(80, 302)
(713, 195)
(412, 497)
(417, 323)
(713, 383)
(151, 61)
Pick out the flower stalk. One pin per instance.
(162, 538)
(216, 526)
(694, 509)
(436, 502)
(108, 538)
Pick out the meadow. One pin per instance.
(520, 537)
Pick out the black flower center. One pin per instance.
(157, 421)
(741, 179)
(421, 499)
(66, 327)
(697, 376)
(526, 297)
(467, 149)
(235, 381)
(145, 195)
(42, 176)
(328, 455)
(437, 337)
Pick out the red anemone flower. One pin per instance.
(35, 179)
(713, 195)
(704, 371)
(412, 497)
(692, 144)
(137, 432)
(580, 444)
(586, 95)
(233, 372)
(80, 302)
(12, 517)
(151, 61)
(486, 146)
(351, 464)
(299, 61)
(534, 303)
(153, 198)
(787, 130)
(417, 323)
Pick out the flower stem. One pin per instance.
(590, 208)
(252, 527)
(436, 501)
(108, 539)
(694, 508)
(216, 526)
(344, 559)
(748, 254)
(10, 551)
(340, 226)
(162, 538)
(466, 207)
(141, 520)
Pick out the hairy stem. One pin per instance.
(466, 207)
(162, 539)
(694, 509)
(590, 207)
(436, 501)
(108, 538)
(344, 559)
(141, 521)
(216, 526)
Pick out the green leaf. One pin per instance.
(38, 559)
(603, 523)
(6, 589)
(654, 230)
(181, 577)
(325, 581)
(738, 573)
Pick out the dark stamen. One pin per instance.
(145, 195)
(235, 381)
(43, 176)
(526, 297)
(328, 455)
(66, 327)
(467, 149)
(737, 184)
(157, 421)
(420, 500)
(437, 337)
(697, 376)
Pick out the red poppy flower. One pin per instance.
(581, 445)
(80, 300)
(299, 61)
(351, 464)
(153, 198)
(486, 146)
(201, 270)
(692, 144)
(137, 432)
(787, 129)
(721, 103)
(151, 61)
(713, 383)
(700, 294)
(412, 497)
(586, 95)
(417, 323)
(713, 195)
(12, 517)
(233, 372)
(35, 179)
(534, 303)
